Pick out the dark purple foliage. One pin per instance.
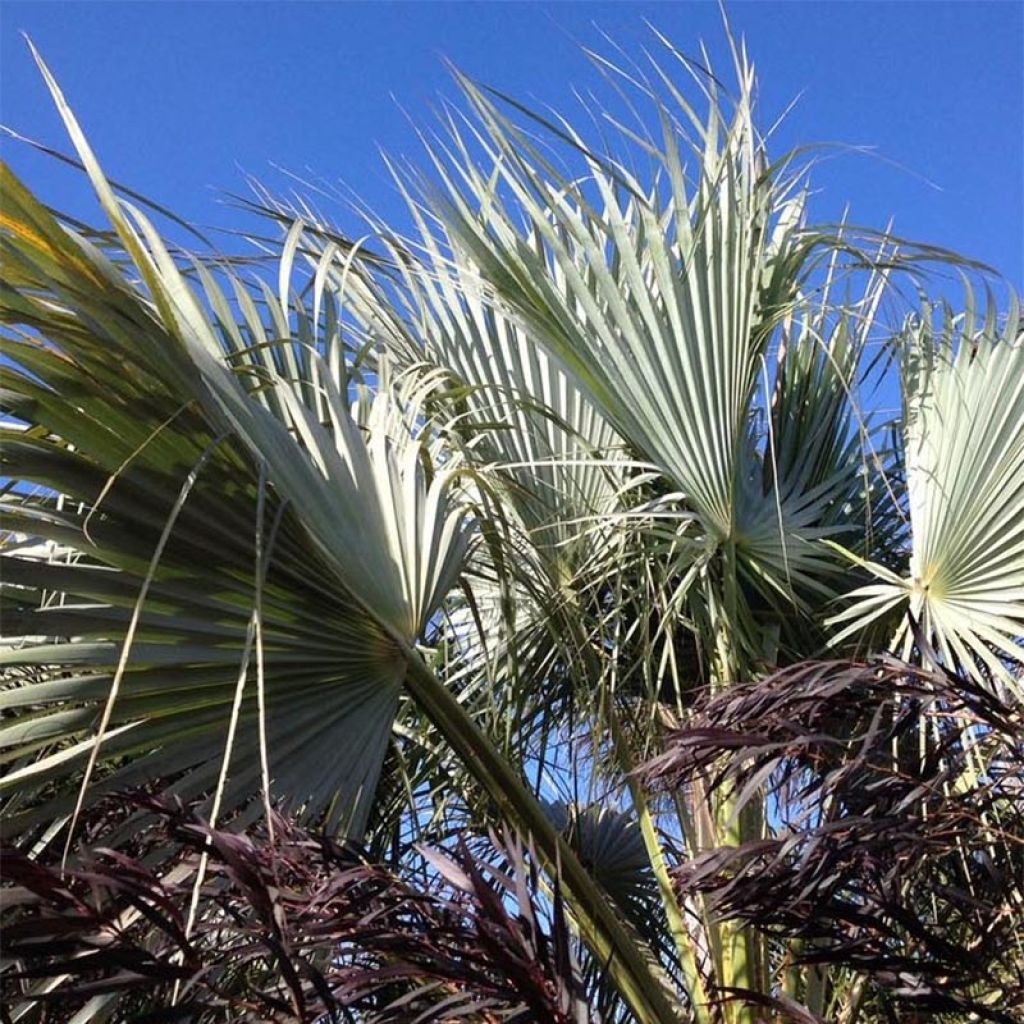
(896, 800)
(295, 929)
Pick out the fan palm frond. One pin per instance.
(963, 387)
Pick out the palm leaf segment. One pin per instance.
(963, 392)
(554, 470)
(288, 558)
(506, 404)
(515, 408)
(661, 305)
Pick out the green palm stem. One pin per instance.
(792, 972)
(816, 988)
(739, 957)
(698, 835)
(629, 964)
(692, 979)
(804, 983)
(682, 939)
(853, 1002)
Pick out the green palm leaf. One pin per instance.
(350, 548)
(661, 304)
(256, 564)
(963, 388)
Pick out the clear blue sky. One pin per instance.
(177, 97)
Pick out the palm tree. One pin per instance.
(418, 534)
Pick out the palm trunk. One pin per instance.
(684, 944)
(739, 956)
(630, 964)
